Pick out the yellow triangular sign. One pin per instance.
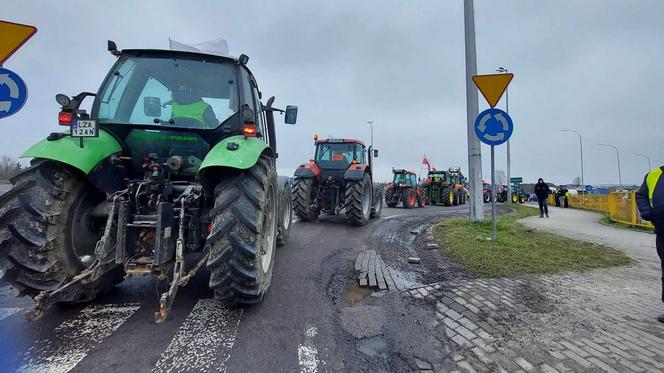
(493, 86)
(13, 36)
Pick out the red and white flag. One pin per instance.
(426, 162)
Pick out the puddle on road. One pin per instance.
(354, 294)
(372, 346)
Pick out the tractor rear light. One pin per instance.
(249, 130)
(65, 118)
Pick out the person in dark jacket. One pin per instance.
(542, 192)
(650, 201)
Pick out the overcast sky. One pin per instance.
(592, 66)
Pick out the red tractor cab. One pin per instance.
(338, 178)
(405, 189)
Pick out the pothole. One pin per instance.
(354, 294)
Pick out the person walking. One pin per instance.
(650, 201)
(542, 192)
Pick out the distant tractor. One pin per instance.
(486, 192)
(518, 194)
(405, 189)
(338, 178)
(440, 188)
(459, 184)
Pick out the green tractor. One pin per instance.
(446, 187)
(176, 160)
(518, 194)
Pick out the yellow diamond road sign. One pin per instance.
(13, 36)
(493, 86)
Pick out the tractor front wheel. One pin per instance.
(304, 193)
(389, 195)
(243, 238)
(377, 207)
(285, 209)
(48, 233)
(487, 197)
(358, 200)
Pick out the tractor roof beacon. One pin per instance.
(176, 157)
(338, 178)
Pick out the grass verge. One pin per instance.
(518, 249)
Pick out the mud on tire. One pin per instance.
(303, 199)
(46, 230)
(358, 200)
(243, 238)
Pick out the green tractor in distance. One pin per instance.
(518, 194)
(176, 159)
(440, 188)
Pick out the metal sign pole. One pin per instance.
(493, 193)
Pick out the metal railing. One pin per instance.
(621, 206)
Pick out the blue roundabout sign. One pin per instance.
(493, 126)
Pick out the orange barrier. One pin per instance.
(621, 206)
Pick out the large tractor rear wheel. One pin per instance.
(358, 200)
(389, 195)
(304, 193)
(421, 200)
(243, 238)
(409, 198)
(48, 234)
(448, 196)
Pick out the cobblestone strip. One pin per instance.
(598, 321)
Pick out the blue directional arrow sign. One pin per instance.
(493, 126)
(13, 93)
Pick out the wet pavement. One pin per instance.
(298, 326)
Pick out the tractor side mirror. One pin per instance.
(375, 153)
(291, 114)
(152, 106)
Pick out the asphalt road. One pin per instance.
(296, 328)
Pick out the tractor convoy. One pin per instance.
(173, 170)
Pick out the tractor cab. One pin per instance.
(438, 177)
(170, 107)
(404, 178)
(335, 156)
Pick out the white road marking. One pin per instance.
(204, 341)
(74, 338)
(307, 354)
(6, 312)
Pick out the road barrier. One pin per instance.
(621, 206)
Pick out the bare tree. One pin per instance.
(9, 167)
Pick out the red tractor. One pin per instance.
(405, 189)
(338, 178)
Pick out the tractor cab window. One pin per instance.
(438, 177)
(339, 155)
(412, 179)
(180, 91)
(400, 178)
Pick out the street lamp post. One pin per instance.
(581, 149)
(509, 163)
(370, 122)
(472, 110)
(646, 157)
(618, 158)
